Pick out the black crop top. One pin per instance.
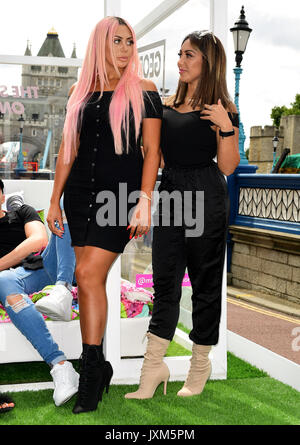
(187, 140)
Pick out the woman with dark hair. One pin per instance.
(111, 107)
(199, 123)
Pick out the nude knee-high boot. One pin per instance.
(199, 373)
(154, 370)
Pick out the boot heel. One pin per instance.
(109, 376)
(165, 387)
(93, 374)
(154, 370)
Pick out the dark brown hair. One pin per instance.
(212, 81)
(121, 21)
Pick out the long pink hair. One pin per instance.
(128, 91)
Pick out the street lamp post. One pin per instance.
(275, 141)
(241, 33)
(20, 162)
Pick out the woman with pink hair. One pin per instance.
(100, 159)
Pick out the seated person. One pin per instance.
(22, 272)
(59, 261)
(6, 403)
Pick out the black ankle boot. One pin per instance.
(95, 375)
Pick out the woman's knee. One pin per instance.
(85, 275)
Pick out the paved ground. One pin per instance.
(265, 320)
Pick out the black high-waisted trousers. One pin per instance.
(174, 250)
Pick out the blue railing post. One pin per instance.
(238, 71)
(20, 160)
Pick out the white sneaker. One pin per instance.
(57, 305)
(66, 381)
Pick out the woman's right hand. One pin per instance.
(55, 220)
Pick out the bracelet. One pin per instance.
(225, 134)
(144, 195)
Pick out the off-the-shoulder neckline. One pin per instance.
(188, 112)
(179, 112)
(112, 91)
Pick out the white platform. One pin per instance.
(276, 366)
(14, 347)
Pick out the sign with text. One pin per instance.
(16, 107)
(152, 58)
(146, 280)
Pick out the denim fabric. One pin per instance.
(59, 264)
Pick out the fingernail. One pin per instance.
(130, 237)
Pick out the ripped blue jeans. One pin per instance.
(16, 284)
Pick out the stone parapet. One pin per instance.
(261, 146)
(267, 261)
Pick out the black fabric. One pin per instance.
(12, 233)
(187, 140)
(98, 168)
(95, 376)
(234, 117)
(203, 256)
(189, 145)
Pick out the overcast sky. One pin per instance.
(271, 64)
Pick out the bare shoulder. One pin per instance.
(148, 85)
(72, 89)
(232, 108)
(169, 101)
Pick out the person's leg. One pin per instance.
(169, 262)
(92, 267)
(50, 259)
(15, 286)
(65, 258)
(60, 262)
(205, 268)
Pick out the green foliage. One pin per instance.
(276, 114)
(295, 106)
(277, 111)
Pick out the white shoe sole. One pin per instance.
(69, 395)
(66, 398)
(55, 316)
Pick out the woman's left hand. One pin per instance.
(141, 219)
(217, 114)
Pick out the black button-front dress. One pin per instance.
(97, 168)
